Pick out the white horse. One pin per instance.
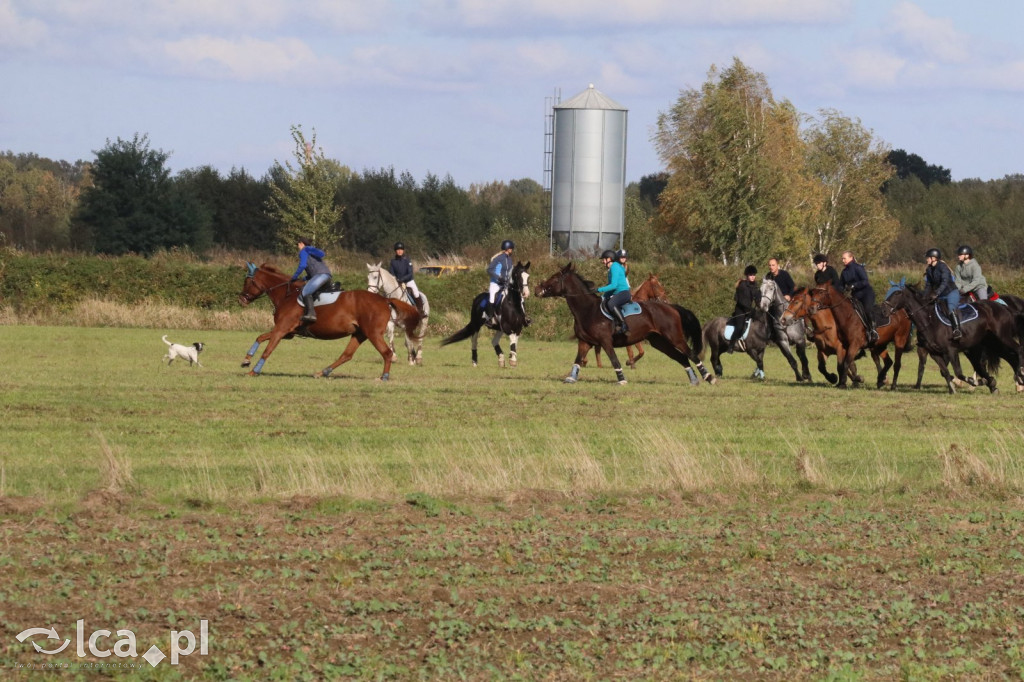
(381, 281)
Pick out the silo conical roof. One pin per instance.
(591, 98)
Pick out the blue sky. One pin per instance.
(458, 86)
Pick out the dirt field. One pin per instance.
(537, 586)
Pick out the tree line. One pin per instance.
(747, 177)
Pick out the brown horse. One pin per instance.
(804, 305)
(360, 314)
(660, 323)
(852, 329)
(651, 289)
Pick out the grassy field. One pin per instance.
(495, 523)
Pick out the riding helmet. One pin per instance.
(508, 244)
(620, 254)
(608, 253)
(820, 258)
(399, 245)
(965, 250)
(933, 253)
(750, 270)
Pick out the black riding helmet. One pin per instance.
(608, 253)
(620, 254)
(965, 251)
(508, 244)
(933, 253)
(820, 258)
(399, 245)
(750, 270)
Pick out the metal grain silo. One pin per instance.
(588, 173)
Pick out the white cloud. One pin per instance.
(935, 38)
(17, 31)
(567, 14)
(247, 59)
(872, 67)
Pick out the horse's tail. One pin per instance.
(691, 330)
(408, 317)
(476, 320)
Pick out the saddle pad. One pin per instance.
(968, 313)
(483, 303)
(323, 298)
(631, 308)
(729, 329)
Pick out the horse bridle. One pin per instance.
(379, 286)
(262, 289)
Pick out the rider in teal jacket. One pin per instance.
(616, 292)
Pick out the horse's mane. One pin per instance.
(272, 270)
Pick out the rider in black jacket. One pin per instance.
(854, 280)
(401, 268)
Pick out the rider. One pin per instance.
(401, 268)
(311, 259)
(823, 272)
(499, 269)
(747, 297)
(781, 278)
(938, 283)
(854, 280)
(616, 292)
(969, 280)
(622, 257)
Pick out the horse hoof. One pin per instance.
(246, 363)
(621, 382)
(569, 380)
(251, 374)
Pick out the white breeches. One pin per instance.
(492, 290)
(411, 286)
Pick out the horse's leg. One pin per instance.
(758, 357)
(513, 359)
(897, 363)
(255, 347)
(582, 348)
(882, 361)
(659, 342)
(841, 365)
(496, 342)
(389, 334)
(275, 338)
(472, 344)
(629, 357)
(716, 354)
(787, 352)
(922, 360)
(805, 370)
(609, 349)
(823, 368)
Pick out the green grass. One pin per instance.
(76, 402)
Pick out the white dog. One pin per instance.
(176, 350)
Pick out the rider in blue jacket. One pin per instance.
(311, 259)
(938, 283)
(616, 292)
(499, 270)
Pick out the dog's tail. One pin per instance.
(166, 341)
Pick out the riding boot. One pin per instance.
(954, 317)
(617, 312)
(310, 314)
(869, 325)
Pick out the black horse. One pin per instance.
(994, 335)
(665, 326)
(511, 317)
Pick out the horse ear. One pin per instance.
(903, 281)
(250, 269)
(527, 266)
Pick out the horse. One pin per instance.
(511, 317)
(896, 328)
(663, 324)
(359, 314)
(651, 289)
(993, 335)
(381, 281)
(802, 305)
(772, 303)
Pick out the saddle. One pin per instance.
(631, 308)
(325, 295)
(968, 313)
(729, 328)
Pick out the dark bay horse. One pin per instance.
(995, 334)
(651, 289)
(360, 314)
(511, 317)
(658, 322)
(764, 327)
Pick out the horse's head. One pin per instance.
(801, 305)
(656, 289)
(769, 289)
(895, 287)
(374, 278)
(251, 290)
(520, 279)
(555, 284)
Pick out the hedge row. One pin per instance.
(56, 282)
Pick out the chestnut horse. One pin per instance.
(802, 305)
(658, 322)
(360, 314)
(852, 329)
(650, 289)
